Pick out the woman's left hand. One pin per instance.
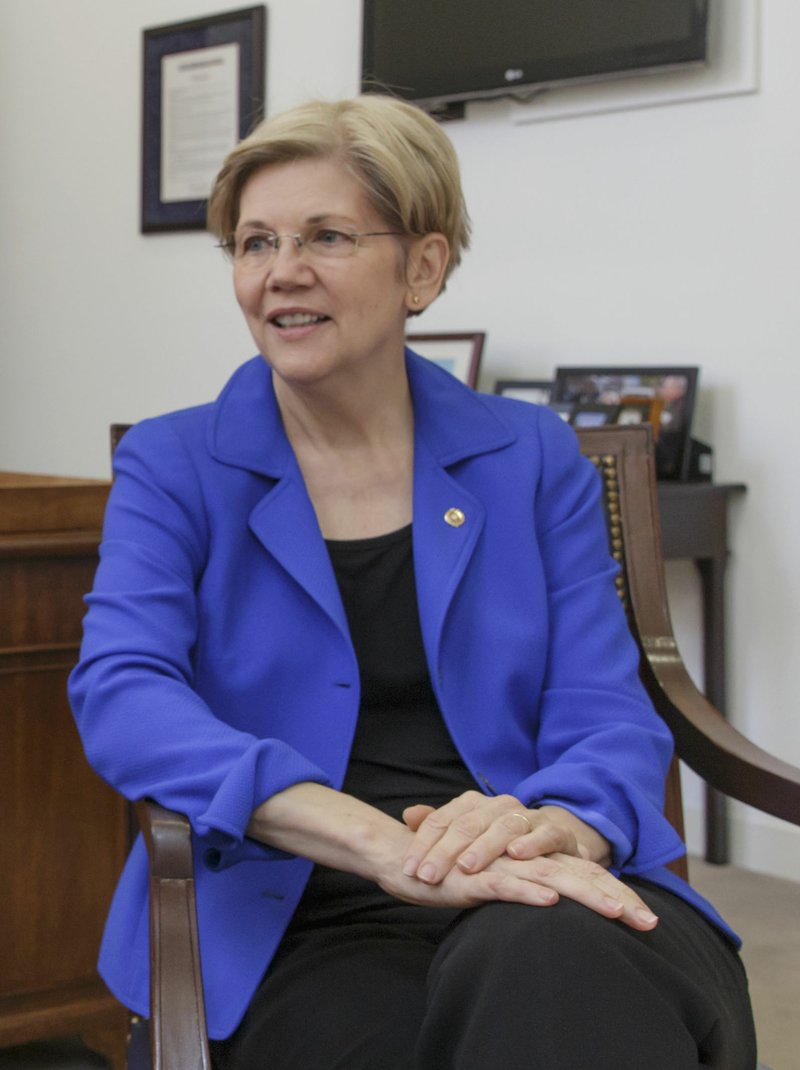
(473, 830)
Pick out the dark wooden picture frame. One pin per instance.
(662, 394)
(458, 353)
(245, 28)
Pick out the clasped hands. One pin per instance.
(495, 848)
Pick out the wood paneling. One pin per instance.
(63, 832)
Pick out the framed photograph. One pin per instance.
(663, 395)
(202, 92)
(536, 391)
(459, 354)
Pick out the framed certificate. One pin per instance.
(203, 90)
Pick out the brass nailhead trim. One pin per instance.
(607, 468)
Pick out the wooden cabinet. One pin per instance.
(63, 832)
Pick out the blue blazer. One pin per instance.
(217, 667)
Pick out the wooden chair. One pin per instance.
(704, 740)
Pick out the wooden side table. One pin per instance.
(694, 526)
(64, 833)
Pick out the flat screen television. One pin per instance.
(442, 53)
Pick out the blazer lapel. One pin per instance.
(246, 431)
(451, 425)
(448, 521)
(286, 525)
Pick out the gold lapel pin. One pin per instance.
(454, 517)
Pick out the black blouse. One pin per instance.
(402, 752)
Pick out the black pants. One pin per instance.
(504, 986)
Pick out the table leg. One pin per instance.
(712, 574)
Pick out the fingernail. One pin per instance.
(647, 917)
(467, 861)
(427, 872)
(612, 904)
(410, 867)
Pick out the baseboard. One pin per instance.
(758, 841)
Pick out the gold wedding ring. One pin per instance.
(525, 819)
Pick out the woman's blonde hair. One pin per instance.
(405, 164)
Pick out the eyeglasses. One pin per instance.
(255, 249)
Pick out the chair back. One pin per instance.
(625, 463)
(116, 431)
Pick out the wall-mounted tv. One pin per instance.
(442, 53)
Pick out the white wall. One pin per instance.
(665, 235)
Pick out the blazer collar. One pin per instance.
(246, 429)
(452, 420)
(454, 423)
(451, 423)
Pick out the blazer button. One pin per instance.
(454, 517)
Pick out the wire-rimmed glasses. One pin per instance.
(253, 250)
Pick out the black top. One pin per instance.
(402, 752)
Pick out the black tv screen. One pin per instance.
(437, 51)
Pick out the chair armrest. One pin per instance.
(178, 1037)
(710, 745)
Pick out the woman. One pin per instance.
(360, 624)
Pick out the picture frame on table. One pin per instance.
(535, 391)
(202, 92)
(459, 353)
(663, 395)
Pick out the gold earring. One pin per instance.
(415, 298)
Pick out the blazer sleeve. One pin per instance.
(602, 750)
(144, 727)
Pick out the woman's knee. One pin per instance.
(509, 931)
(555, 966)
